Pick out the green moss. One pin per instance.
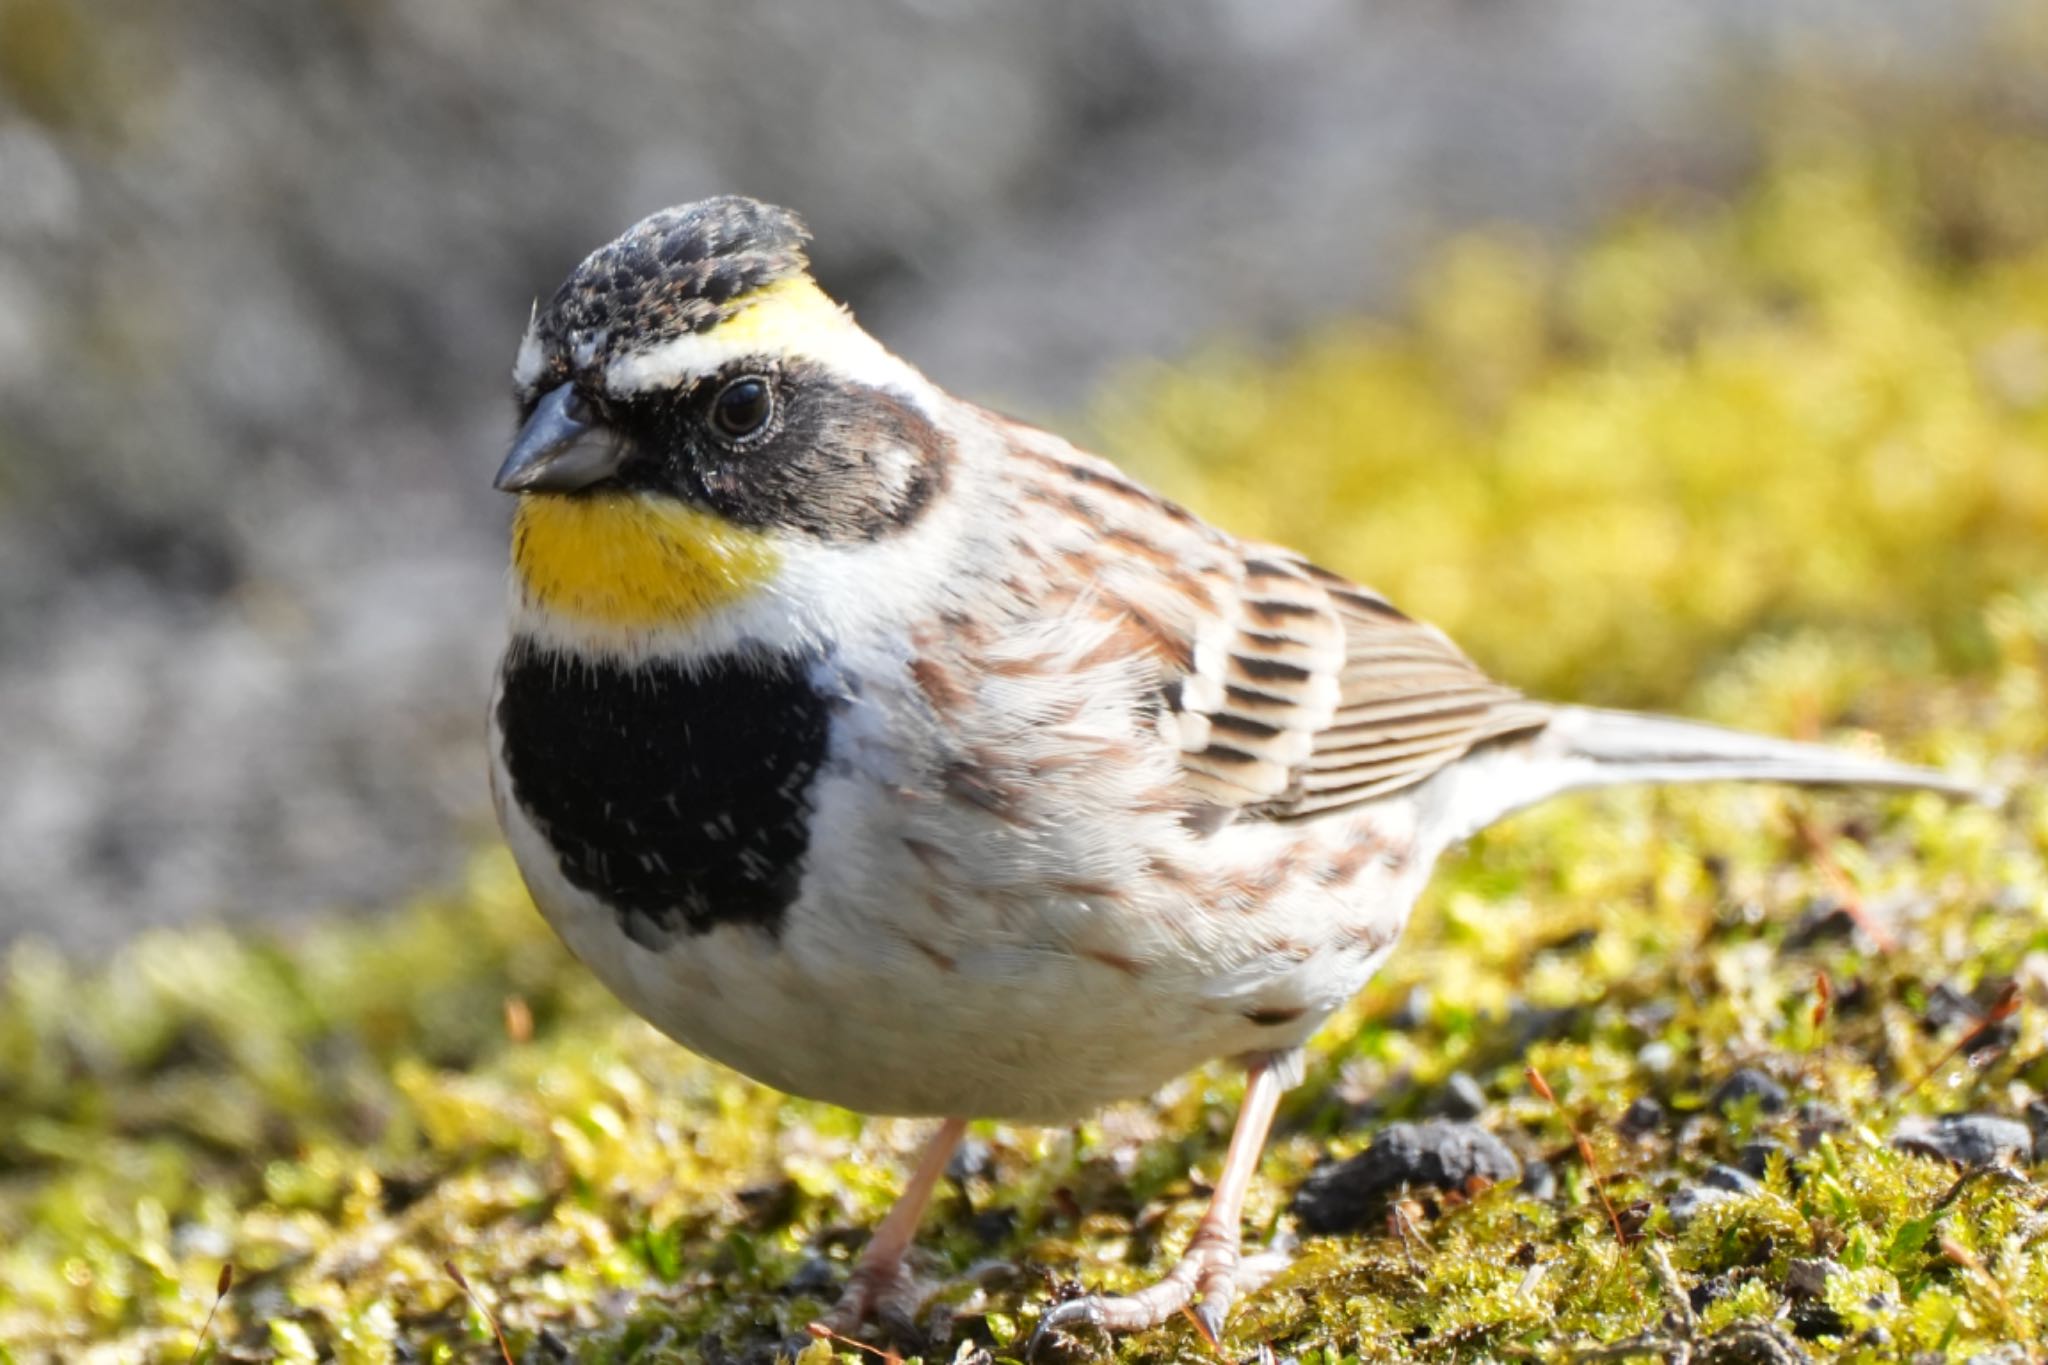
(1779, 461)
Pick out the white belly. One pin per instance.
(883, 995)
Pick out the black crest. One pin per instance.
(672, 273)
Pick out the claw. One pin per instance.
(1206, 1280)
(1081, 1312)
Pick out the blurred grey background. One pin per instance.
(262, 267)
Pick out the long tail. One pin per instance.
(1582, 747)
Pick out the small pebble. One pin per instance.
(1657, 1058)
(971, 1160)
(1438, 1154)
(1719, 1177)
(1750, 1343)
(1807, 1277)
(1755, 1157)
(816, 1276)
(1529, 1023)
(1821, 921)
(1946, 1007)
(1966, 1139)
(1741, 1085)
(1413, 1011)
(1539, 1181)
(1718, 1185)
(1687, 1203)
(2037, 1122)
(1642, 1118)
(1461, 1097)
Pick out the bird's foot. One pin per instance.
(885, 1293)
(1206, 1282)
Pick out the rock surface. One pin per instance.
(1438, 1154)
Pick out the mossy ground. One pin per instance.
(1780, 461)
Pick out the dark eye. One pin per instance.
(743, 407)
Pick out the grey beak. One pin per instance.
(560, 449)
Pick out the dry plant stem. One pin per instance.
(224, 1282)
(2002, 1009)
(462, 1283)
(1208, 1270)
(880, 1269)
(1592, 1163)
(1837, 878)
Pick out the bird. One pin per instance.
(903, 756)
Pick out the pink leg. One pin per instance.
(1208, 1271)
(879, 1275)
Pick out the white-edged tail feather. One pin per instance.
(1583, 747)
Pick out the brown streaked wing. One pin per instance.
(1296, 691)
(1330, 696)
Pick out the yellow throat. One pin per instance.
(633, 559)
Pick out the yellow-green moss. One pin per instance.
(1781, 460)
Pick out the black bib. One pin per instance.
(677, 795)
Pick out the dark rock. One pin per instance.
(1717, 1186)
(995, 1225)
(1822, 921)
(1820, 1116)
(1807, 1277)
(1967, 1139)
(1947, 1007)
(2037, 1123)
(1745, 1083)
(1719, 1177)
(1539, 1181)
(1413, 1011)
(1993, 1038)
(1687, 1203)
(1438, 1154)
(816, 1277)
(770, 1205)
(1575, 941)
(1812, 1321)
(1529, 1023)
(1750, 1343)
(1650, 1017)
(971, 1160)
(1642, 1118)
(1461, 1098)
(1755, 1157)
(1709, 1292)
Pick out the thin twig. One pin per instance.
(1542, 1087)
(818, 1331)
(2002, 1009)
(481, 1307)
(1837, 878)
(221, 1285)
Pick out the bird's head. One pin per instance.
(693, 407)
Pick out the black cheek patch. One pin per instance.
(677, 796)
(830, 466)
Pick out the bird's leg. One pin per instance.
(1208, 1272)
(880, 1279)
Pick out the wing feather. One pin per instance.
(1290, 691)
(1320, 694)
